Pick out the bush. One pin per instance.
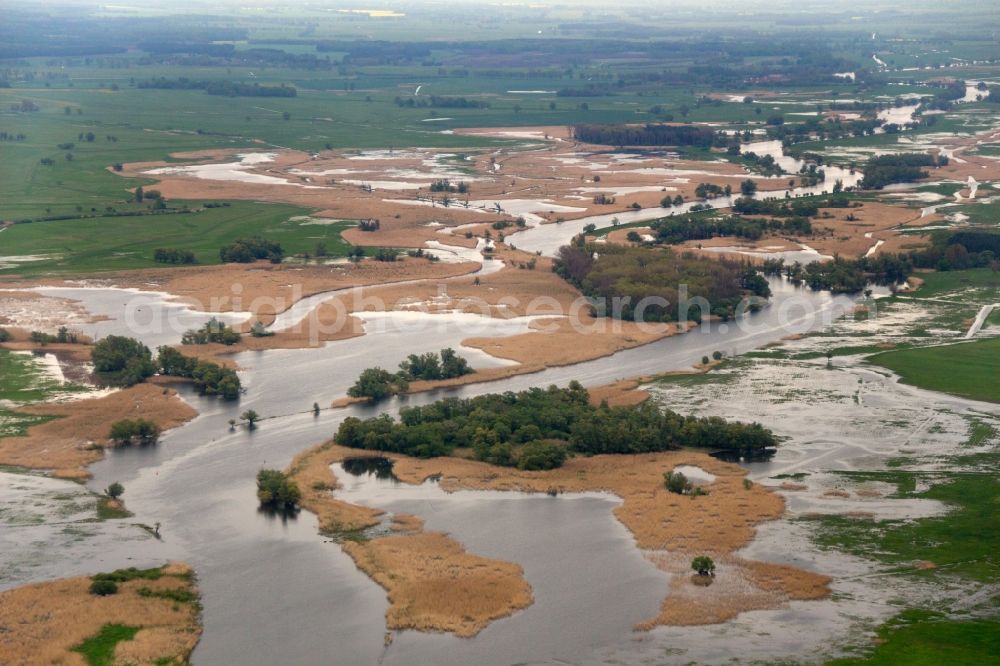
(4, 335)
(103, 588)
(248, 250)
(676, 482)
(139, 431)
(704, 565)
(122, 361)
(166, 255)
(276, 490)
(213, 331)
(115, 490)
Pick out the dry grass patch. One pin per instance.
(43, 623)
(738, 586)
(433, 584)
(77, 436)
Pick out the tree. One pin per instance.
(748, 187)
(139, 194)
(115, 490)
(251, 417)
(704, 565)
(275, 490)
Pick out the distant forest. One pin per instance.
(646, 135)
(225, 88)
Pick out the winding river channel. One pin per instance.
(276, 591)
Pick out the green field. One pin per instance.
(924, 638)
(938, 283)
(970, 370)
(114, 243)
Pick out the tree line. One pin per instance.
(646, 135)
(677, 229)
(225, 88)
(378, 383)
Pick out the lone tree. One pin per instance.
(251, 417)
(115, 490)
(704, 565)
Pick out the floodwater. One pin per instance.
(548, 238)
(275, 591)
(199, 484)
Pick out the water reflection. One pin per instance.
(380, 468)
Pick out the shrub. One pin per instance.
(213, 331)
(166, 255)
(676, 482)
(248, 250)
(139, 431)
(103, 588)
(4, 335)
(704, 565)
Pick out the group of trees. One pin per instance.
(658, 285)
(378, 383)
(647, 135)
(882, 170)
(958, 250)
(430, 366)
(214, 331)
(445, 185)
(225, 88)
(539, 428)
(845, 276)
(167, 255)
(680, 228)
(248, 250)
(276, 491)
(122, 361)
(209, 378)
(138, 431)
